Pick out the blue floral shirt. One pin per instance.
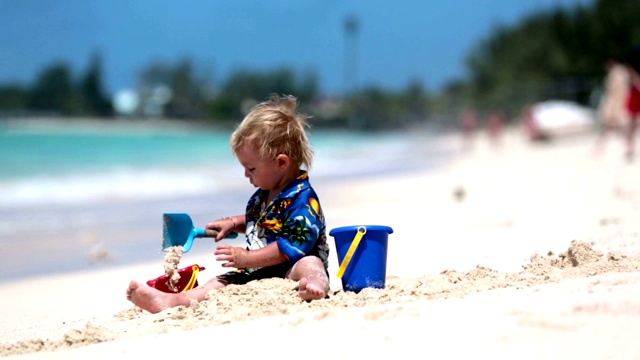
(293, 220)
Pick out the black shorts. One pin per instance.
(242, 276)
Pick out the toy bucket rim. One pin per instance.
(355, 228)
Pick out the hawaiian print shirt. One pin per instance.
(293, 219)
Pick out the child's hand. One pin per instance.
(222, 226)
(234, 256)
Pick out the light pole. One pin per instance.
(351, 27)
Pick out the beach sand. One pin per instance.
(527, 250)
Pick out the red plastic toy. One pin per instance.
(188, 280)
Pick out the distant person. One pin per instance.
(468, 123)
(284, 224)
(495, 126)
(531, 129)
(633, 107)
(612, 110)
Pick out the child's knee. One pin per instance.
(311, 262)
(307, 265)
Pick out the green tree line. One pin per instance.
(557, 54)
(56, 92)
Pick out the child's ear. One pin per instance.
(283, 161)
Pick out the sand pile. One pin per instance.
(91, 334)
(272, 297)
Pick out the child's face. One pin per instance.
(264, 173)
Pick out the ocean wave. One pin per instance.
(336, 155)
(114, 185)
(127, 184)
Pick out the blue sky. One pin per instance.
(398, 41)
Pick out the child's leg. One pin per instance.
(313, 282)
(154, 300)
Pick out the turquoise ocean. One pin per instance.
(70, 192)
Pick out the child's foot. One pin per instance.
(148, 298)
(313, 288)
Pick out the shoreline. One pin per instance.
(84, 124)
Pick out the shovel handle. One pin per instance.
(210, 233)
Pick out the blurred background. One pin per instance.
(351, 64)
(113, 112)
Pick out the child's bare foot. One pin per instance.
(150, 299)
(313, 288)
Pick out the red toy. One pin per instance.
(188, 280)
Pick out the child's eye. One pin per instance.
(252, 169)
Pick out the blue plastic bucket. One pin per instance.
(366, 265)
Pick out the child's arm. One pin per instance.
(240, 258)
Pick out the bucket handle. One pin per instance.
(194, 278)
(352, 249)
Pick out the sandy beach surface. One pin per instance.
(522, 251)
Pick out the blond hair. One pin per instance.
(274, 127)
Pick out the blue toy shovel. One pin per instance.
(178, 230)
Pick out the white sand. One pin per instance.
(497, 273)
